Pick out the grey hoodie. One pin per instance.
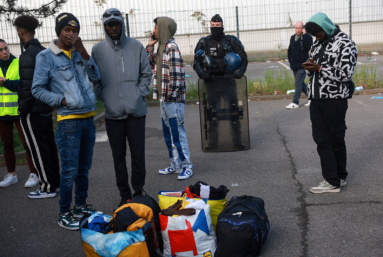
(125, 74)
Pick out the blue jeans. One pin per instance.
(172, 115)
(75, 139)
(300, 85)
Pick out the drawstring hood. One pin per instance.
(121, 41)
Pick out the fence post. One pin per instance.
(127, 24)
(236, 15)
(350, 16)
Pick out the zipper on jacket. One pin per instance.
(123, 66)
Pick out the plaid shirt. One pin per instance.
(173, 72)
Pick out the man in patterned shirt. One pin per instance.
(330, 67)
(169, 81)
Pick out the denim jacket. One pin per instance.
(57, 77)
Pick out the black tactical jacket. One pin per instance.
(230, 44)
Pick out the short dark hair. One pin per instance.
(312, 28)
(27, 22)
(2, 41)
(155, 21)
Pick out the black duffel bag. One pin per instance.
(154, 243)
(242, 227)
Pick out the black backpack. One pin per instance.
(151, 242)
(242, 227)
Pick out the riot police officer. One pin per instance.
(209, 64)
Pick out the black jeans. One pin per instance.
(329, 129)
(133, 129)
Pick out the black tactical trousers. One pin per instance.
(329, 129)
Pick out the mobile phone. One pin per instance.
(152, 36)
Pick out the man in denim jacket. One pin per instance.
(62, 80)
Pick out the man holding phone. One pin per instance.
(169, 78)
(62, 80)
(298, 52)
(330, 68)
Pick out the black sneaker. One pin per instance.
(122, 202)
(67, 221)
(79, 211)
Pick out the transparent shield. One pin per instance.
(224, 114)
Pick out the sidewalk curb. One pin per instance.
(101, 116)
(22, 155)
(275, 97)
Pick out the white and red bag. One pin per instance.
(189, 236)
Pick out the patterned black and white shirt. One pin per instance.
(337, 67)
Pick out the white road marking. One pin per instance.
(287, 67)
(102, 137)
(359, 102)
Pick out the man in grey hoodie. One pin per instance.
(125, 79)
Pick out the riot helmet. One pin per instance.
(232, 62)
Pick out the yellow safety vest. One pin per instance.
(8, 99)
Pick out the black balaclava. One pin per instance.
(217, 32)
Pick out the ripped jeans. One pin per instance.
(172, 115)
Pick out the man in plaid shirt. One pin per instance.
(169, 77)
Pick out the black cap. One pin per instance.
(66, 19)
(216, 18)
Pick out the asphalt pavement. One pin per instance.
(280, 167)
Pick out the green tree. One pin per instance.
(10, 10)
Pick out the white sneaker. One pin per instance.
(8, 180)
(169, 170)
(292, 106)
(32, 181)
(185, 174)
(308, 103)
(324, 187)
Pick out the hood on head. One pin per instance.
(115, 18)
(324, 22)
(167, 27)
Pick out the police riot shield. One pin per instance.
(224, 114)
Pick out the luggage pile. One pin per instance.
(197, 221)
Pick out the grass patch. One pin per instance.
(17, 141)
(274, 80)
(368, 76)
(282, 80)
(192, 90)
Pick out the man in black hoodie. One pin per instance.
(36, 116)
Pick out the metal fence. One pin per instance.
(264, 28)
